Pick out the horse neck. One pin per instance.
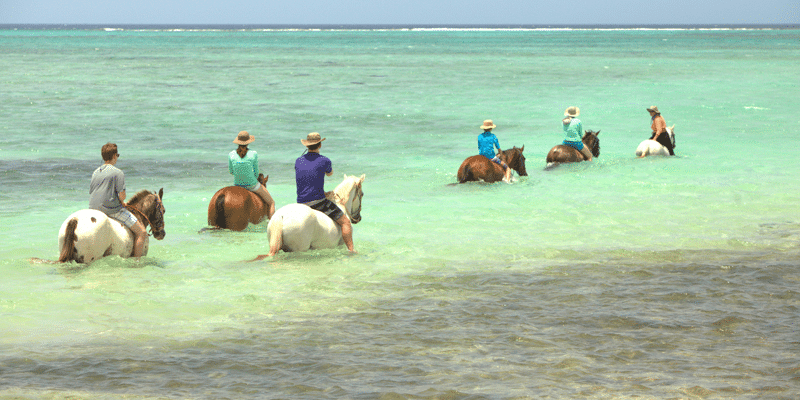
(344, 195)
(137, 205)
(592, 142)
(343, 191)
(510, 157)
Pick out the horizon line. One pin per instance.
(389, 26)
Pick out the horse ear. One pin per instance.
(363, 176)
(161, 193)
(521, 149)
(597, 133)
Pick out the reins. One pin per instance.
(343, 201)
(143, 215)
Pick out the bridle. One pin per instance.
(159, 214)
(339, 199)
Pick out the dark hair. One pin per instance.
(242, 150)
(108, 151)
(314, 146)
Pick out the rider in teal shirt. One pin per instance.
(573, 131)
(487, 142)
(244, 169)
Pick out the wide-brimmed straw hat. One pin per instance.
(312, 139)
(654, 109)
(572, 112)
(244, 138)
(488, 124)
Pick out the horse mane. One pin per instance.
(343, 189)
(596, 144)
(139, 196)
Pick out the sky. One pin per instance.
(401, 12)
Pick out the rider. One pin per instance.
(107, 194)
(310, 171)
(487, 142)
(659, 127)
(243, 165)
(573, 128)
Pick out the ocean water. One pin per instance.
(671, 278)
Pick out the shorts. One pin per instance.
(498, 161)
(251, 188)
(576, 145)
(125, 217)
(326, 207)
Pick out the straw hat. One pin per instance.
(488, 124)
(312, 139)
(654, 109)
(244, 138)
(572, 112)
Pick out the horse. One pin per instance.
(651, 147)
(298, 227)
(88, 235)
(233, 207)
(478, 167)
(566, 154)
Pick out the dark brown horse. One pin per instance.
(477, 168)
(566, 154)
(234, 207)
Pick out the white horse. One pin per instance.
(650, 147)
(88, 235)
(298, 227)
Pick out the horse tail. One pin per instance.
(68, 249)
(466, 175)
(275, 230)
(219, 206)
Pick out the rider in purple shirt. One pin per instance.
(310, 171)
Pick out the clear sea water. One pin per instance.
(672, 278)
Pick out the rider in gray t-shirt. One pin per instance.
(107, 194)
(107, 182)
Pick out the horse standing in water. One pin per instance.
(88, 235)
(651, 147)
(566, 154)
(298, 227)
(477, 168)
(234, 207)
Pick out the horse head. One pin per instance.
(591, 140)
(349, 194)
(515, 159)
(151, 206)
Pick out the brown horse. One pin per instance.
(478, 167)
(566, 154)
(234, 207)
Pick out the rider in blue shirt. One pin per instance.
(487, 142)
(310, 171)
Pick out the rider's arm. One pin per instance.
(122, 196)
(329, 173)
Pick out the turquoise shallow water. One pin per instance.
(659, 278)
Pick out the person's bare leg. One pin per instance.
(507, 172)
(139, 233)
(586, 153)
(264, 194)
(347, 232)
